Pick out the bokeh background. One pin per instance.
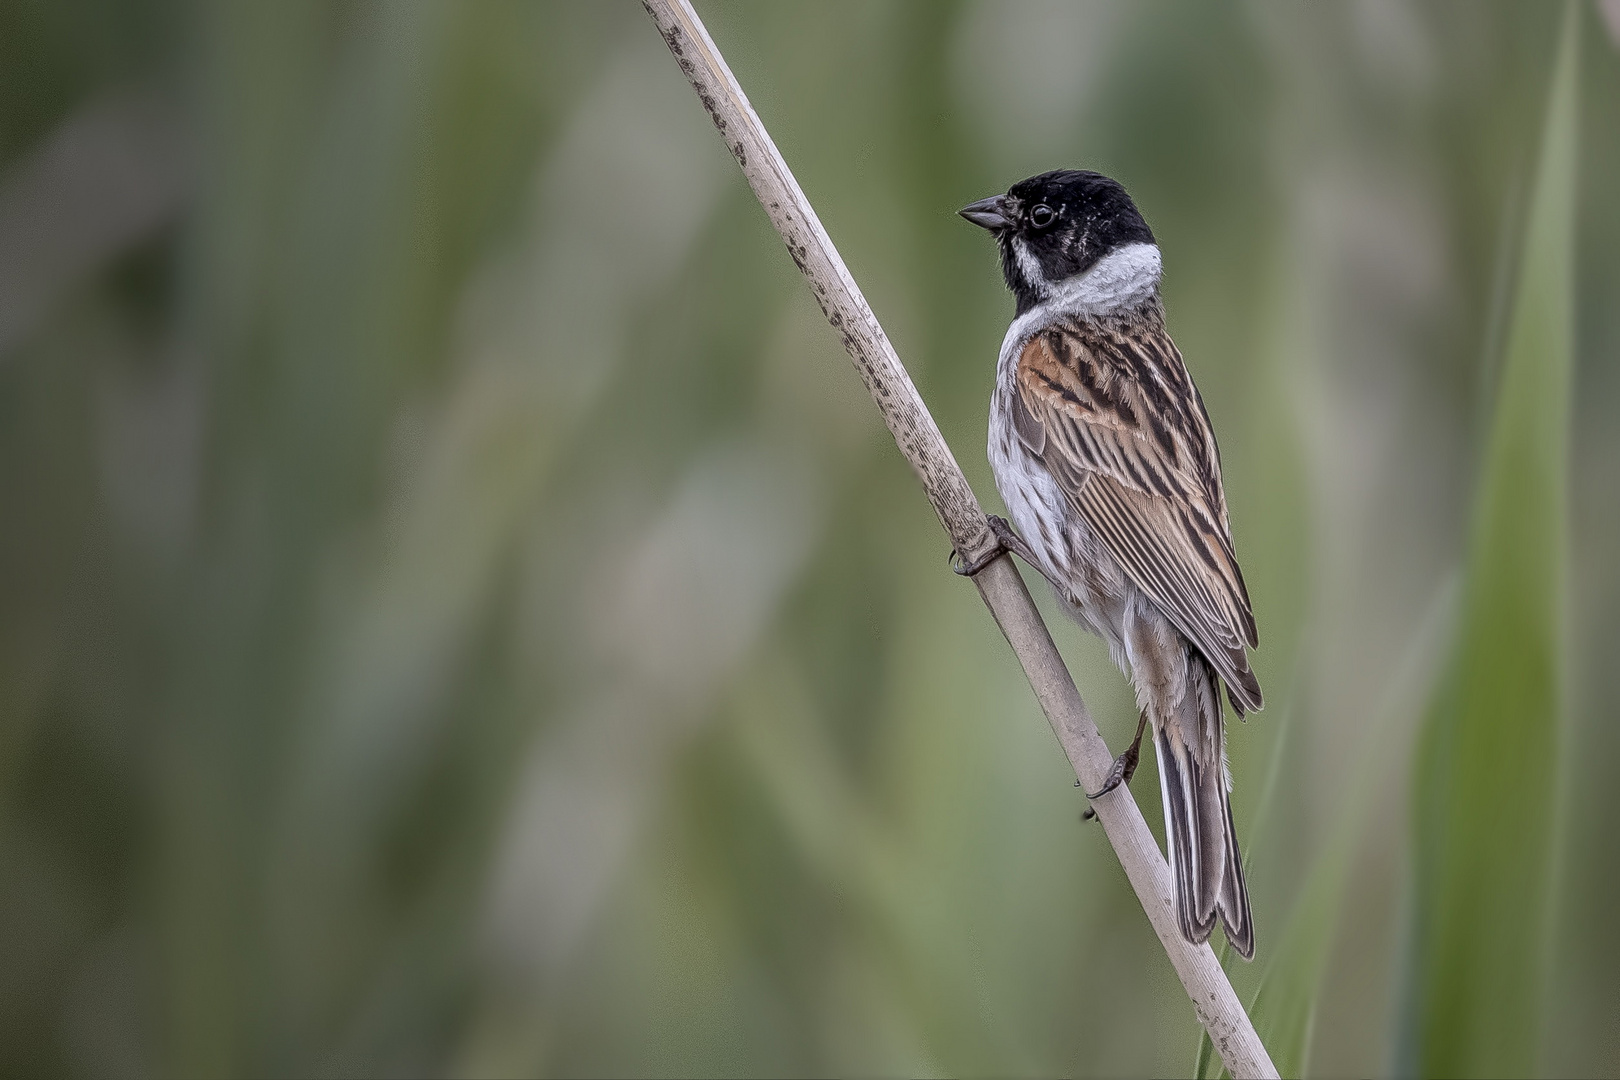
(459, 613)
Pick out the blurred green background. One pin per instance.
(459, 612)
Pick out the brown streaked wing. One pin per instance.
(1123, 432)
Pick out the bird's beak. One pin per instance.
(988, 213)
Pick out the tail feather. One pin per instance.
(1235, 892)
(1189, 860)
(1200, 837)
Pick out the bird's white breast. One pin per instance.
(1122, 280)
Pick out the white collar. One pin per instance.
(1123, 279)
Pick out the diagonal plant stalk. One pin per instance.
(999, 583)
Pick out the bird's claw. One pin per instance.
(1007, 540)
(1124, 768)
(968, 569)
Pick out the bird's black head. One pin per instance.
(1055, 226)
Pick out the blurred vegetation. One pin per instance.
(1483, 877)
(459, 613)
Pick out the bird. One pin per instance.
(1105, 457)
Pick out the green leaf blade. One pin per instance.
(1487, 771)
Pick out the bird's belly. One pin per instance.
(1092, 585)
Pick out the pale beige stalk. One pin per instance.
(999, 583)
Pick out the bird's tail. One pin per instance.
(1202, 842)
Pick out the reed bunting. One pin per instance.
(1105, 458)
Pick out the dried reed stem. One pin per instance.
(999, 584)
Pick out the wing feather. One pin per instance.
(1115, 418)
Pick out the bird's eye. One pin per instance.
(1042, 216)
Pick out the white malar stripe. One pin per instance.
(1029, 265)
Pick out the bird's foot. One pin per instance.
(968, 569)
(1007, 540)
(1124, 768)
(1011, 540)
